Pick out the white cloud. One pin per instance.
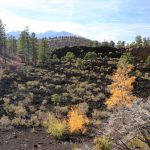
(43, 6)
(99, 31)
(85, 9)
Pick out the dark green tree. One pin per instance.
(90, 56)
(24, 44)
(43, 51)
(34, 48)
(95, 44)
(120, 44)
(112, 43)
(3, 40)
(11, 45)
(145, 42)
(138, 40)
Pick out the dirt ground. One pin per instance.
(26, 139)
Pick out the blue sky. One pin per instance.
(95, 19)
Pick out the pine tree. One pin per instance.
(12, 45)
(43, 51)
(34, 48)
(24, 44)
(3, 40)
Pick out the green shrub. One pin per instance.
(102, 68)
(17, 121)
(55, 126)
(138, 73)
(102, 143)
(79, 63)
(55, 98)
(126, 58)
(90, 56)
(69, 56)
(137, 143)
(148, 60)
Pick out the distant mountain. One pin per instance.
(14, 33)
(53, 34)
(47, 34)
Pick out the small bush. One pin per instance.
(17, 121)
(64, 109)
(100, 114)
(34, 121)
(79, 63)
(148, 60)
(76, 148)
(137, 143)
(69, 56)
(96, 122)
(55, 98)
(33, 83)
(102, 143)
(4, 121)
(21, 87)
(76, 121)
(124, 59)
(55, 126)
(90, 56)
(83, 108)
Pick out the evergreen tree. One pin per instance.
(12, 45)
(145, 43)
(120, 44)
(112, 44)
(24, 44)
(3, 40)
(105, 43)
(34, 48)
(138, 40)
(95, 44)
(43, 51)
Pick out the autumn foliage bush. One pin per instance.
(121, 87)
(77, 122)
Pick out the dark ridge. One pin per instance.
(80, 51)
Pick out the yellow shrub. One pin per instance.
(76, 121)
(121, 88)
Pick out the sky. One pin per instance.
(94, 19)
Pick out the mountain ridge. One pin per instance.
(47, 34)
